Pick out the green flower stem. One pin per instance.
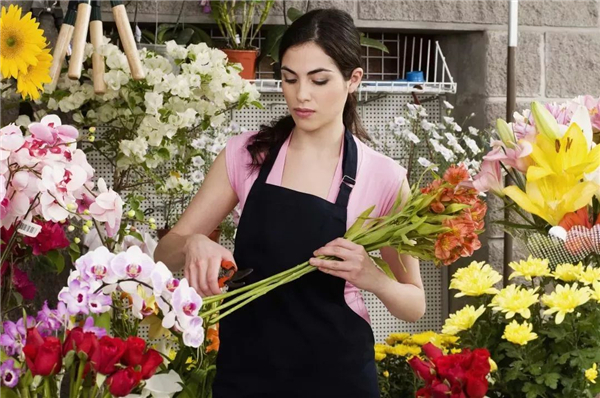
(276, 277)
(106, 394)
(94, 391)
(75, 392)
(307, 269)
(47, 393)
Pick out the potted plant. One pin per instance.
(241, 36)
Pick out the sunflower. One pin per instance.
(20, 41)
(30, 82)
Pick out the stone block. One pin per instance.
(497, 109)
(567, 13)
(528, 64)
(572, 61)
(475, 11)
(495, 212)
(345, 5)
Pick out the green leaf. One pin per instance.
(136, 235)
(185, 36)
(139, 215)
(368, 42)
(273, 42)
(294, 13)
(257, 104)
(243, 100)
(69, 358)
(551, 380)
(164, 154)
(8, 393)
(200, 36)
(357, 226)
(57, 259)
(102, 321)
(385, 267)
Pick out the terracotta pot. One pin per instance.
(214, 235)
(245, 57)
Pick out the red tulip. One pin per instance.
(432, 351)
(152, 360)
(122, 382)
(422, 369)
(108, 354)
(43, 355)
(134, 352)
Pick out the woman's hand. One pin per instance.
(355, 266)
(203, 259)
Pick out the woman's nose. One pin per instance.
(303, 93)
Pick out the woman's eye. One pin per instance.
(290, 81)
(321, 82)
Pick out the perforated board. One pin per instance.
(374, 114)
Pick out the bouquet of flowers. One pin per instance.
(440, 223)
(542, 331)
(459, 375)
(551, 156)
(25, 56)
(41, 354)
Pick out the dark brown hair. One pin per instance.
(334, 31)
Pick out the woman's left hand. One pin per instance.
(355, 266)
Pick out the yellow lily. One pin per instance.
(545, 123)
(569, 154)
(553, 196)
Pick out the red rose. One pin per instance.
(80, 341)
(108, 354)
(134, 351)
(449, 368)
(432, 351)
(480, 366)
(152, 360)
(439, 389)
(422, 369)
(122, 382)
(477, 386)
(43, 354)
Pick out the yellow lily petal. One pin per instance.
(580, 195)
(535, 173)
(522, 200)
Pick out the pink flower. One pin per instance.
(14, 208)
(11, 139)
(51, 131)
(23, 284)
(517, 157)
(489, 178)
(107, 208)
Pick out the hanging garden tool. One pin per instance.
(63, 41)
(126, 36)
(96, 37)
(82, 23)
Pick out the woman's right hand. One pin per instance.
(203, 259)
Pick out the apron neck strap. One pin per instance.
(349, 166)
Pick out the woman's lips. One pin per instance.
(304, 113)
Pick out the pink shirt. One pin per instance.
(378, 181)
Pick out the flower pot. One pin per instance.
(245, 57)
(214, 235)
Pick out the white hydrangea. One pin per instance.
(135, 149)
(472, 145)
(153, 102)
(116, 78)
(175, 50)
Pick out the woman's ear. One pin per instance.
(355, 79)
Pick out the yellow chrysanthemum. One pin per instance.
(386, 373)
(379, 356)
(448, 340)
(513, 300)
(477, 279)
(592, 374)
(21, 41)
(397, 337)
(381, 348)
(518, 333)
(533, 267)
(596, 291)
(421, 338)
(462, 320)
(589, 275)
(568, 272)
(403, 350)
(30, 83)
(564, 300)
(455, 351)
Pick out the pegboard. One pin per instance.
(375, 113)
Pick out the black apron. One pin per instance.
(300, 339)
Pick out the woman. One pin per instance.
(300, 184)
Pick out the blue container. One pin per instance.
(415, 76)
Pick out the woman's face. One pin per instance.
(314, 88)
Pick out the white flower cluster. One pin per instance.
(183, 94)
(445, 142)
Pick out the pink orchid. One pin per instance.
(95, 266)
(53, 208)
(186, 305)
(11, 139)
(489, 178)
(107, 208)
(517, 157)
(14, 207)
(51, 131)
(133, 264)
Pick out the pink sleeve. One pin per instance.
(237, 160)
(397, 176)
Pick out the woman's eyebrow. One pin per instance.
(312, 72)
